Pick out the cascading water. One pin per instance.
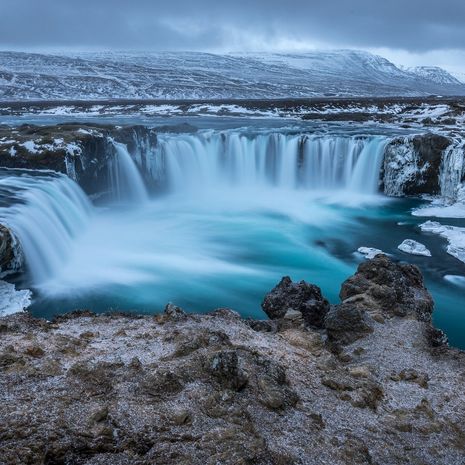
(452, 171)
(240, 209)
(271, 186)
(48, 212)
(220, 160)
(126, 182)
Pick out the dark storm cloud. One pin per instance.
(415, 25)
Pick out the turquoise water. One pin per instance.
(233, 250)
(381, 229)
(224, 238)
(224, 253)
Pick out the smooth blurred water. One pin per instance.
(225, 230)
(201, 252)
(229, 250)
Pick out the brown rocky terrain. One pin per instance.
(368, 381)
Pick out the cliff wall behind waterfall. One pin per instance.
(426, 163)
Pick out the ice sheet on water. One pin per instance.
(11, 300)
(454, 235)
(456, 210)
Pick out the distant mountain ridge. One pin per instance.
(196, 75)
(435, 74)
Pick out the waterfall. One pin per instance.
(230, 159)
(47, 212)
(452, 171)
(126, 182)
(365, 175)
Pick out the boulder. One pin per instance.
(173, 312)
(288, 299)
(345, 323)
(224, 366)
(393, 289)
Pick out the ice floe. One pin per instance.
(454, 235)
(11, 300)
(414, 248)
(369, 252)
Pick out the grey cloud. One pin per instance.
(414, 25)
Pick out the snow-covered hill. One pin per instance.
(459, 76)
(435, 74)
(194, 75)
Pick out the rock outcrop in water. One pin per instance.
(82, 151)
(412, 164)
(388, 289)
(371, 387)
(10, 254)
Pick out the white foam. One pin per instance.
(455, 279)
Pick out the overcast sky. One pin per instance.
(408, 32)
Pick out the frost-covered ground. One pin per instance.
(371, 387)
(436, 114)
(192, 75)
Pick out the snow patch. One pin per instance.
(30, 146)
(73, 149)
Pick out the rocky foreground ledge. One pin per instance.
(368, 381)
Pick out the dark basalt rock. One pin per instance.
(424, 165)
(429, 148)
(345, 323)
(296, 297)
(89, 163)
(394, 289)
(225, 368)
(272, 386)
(174, 312)
(10, 254)
(161, 384)
(436, 337)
